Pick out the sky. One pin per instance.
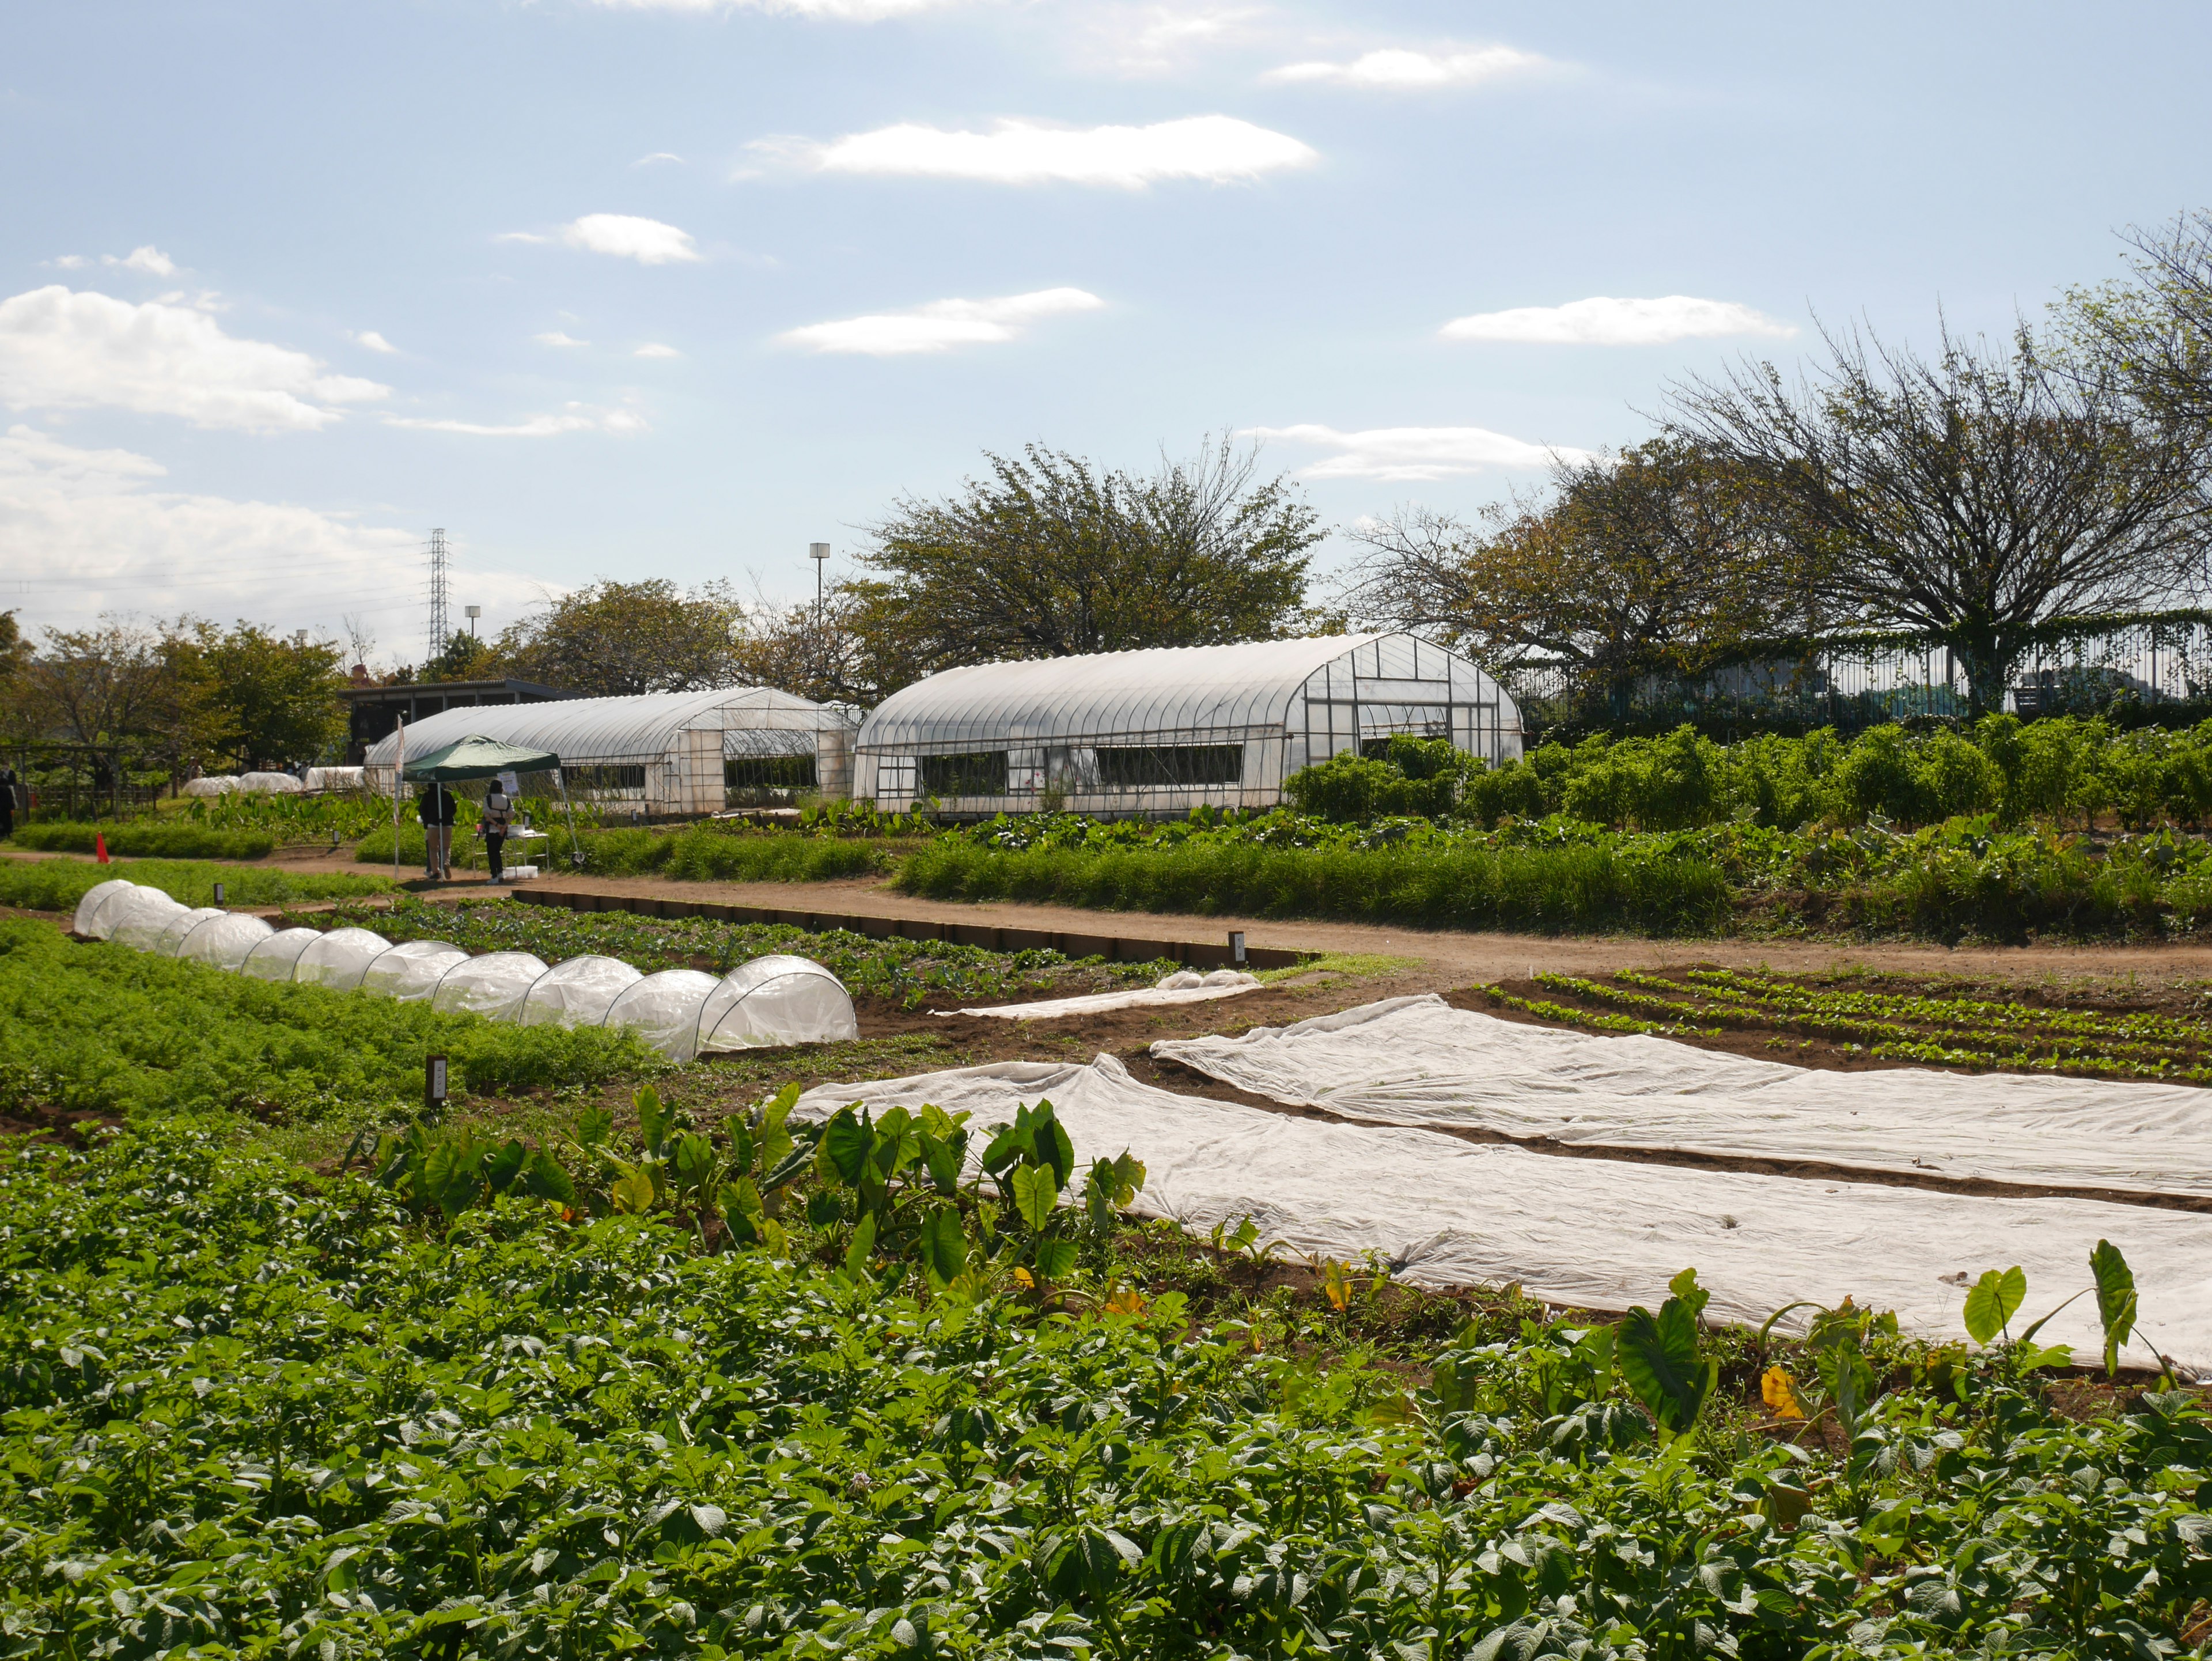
(675, 288)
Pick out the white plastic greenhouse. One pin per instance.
(681, 1012)
(668, 752)
(1166, 730)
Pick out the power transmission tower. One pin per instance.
(441, 638)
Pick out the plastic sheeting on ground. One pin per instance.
(410, 971)
(224, 940)
(779, 999)
(340, 959)
(1184, 986)
(89, 904)
(1417, 1061)
(493, 986)
(1592, 1232)
(278, 955)
(577, 993)
(663, 1010)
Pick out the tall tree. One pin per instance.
(1973, 496)
(2154, 333)
(1052, 556)
(1657, 561)
(272, 700)
(125, 694)
(612, 638)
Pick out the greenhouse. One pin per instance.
(660, 753)
(1163, 731)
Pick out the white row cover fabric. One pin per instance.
(493, 986)
(1184, 986)
(277, 957)
(781, 998)
(776, 1000)
(1162, 730)
(209, 784)
(334, 778)
(225, 940)
(1591, 1233)
(270, 784)
(87, 906)
(1417, 1061)
(410, 972)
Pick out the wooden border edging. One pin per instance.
(1197, 954)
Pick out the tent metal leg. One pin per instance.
(575, 848)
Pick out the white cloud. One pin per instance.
(658, 156)
(655, 348)
(1601, 321)
(843, 11)
(1415, 453)
(71, 262)
(647, 241)
(374, 341)
(93, 531)
(1397, 69)
(149, 258)
(574, 418)
(939, 325)
(62, 350)
(556, 338)
(1217, 148)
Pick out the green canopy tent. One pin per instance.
(477, 757)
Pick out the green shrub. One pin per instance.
(149, 838)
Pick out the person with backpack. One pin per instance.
(435, 807)
(498, 815)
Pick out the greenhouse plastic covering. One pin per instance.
(89, 906)
(270, 784)
(339, 959)
(776, 1000)
(1594, 1233)
(410, 971)
(1271, 706)
(278, 955)
(224, 940)
(136, 919)
(577, 993)
(493, 986)
(1417, 1061)
(1184, 986)
(663, 1010)
(212, 784)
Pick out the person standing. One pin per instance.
(435, 807)
(498, 813)
(6, 800)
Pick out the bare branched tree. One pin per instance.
(1973, 496)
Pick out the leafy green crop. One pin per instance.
(59, 885)
(244, 1410)
(152, 838)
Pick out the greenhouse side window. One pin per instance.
(1129, 766)
(982, 773)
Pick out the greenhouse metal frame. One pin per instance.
(663, 752)
(1159, 731)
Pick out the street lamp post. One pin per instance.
(474, 611)
(819, 553)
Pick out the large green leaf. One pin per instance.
(1995, 1299)
(1054, 1259)
(654, 1116)
(502, 1167)
(1658, 1356)
(543, 1177)
(864, 1243)
(847, 1142)
(691, 1161)
(944, 1247)
(941, 1156)
(453, 1174)
(1035, 1193)
(1053, 1149)
(2116, 1299)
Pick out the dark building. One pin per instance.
(374, 711)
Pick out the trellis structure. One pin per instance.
(1163, 731)
(660, 753)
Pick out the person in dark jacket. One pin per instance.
(498, 814)
(435, 806)
(6, 801)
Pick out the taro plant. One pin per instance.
(1662, 1361)
(1993, 1299)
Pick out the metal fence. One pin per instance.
(2129, 669)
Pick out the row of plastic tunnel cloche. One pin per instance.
(779, 1000)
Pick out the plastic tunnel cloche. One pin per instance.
(777, 1000)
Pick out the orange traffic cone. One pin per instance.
(100, 846)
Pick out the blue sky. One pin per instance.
(674, 288)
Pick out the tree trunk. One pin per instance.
(1987, 660)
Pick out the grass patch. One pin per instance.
(1353, 965)
(147, 838)
(698, 853)
(59, 885)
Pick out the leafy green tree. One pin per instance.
(1051, 556)
(1972, 497)
(271, 700)
(2155, 331)
(466, 657)
(124, 694)
(1657, 561)
(609, 638)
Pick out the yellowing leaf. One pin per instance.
(1778, 1390)
(1125, 1299)
(1336, 1284)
